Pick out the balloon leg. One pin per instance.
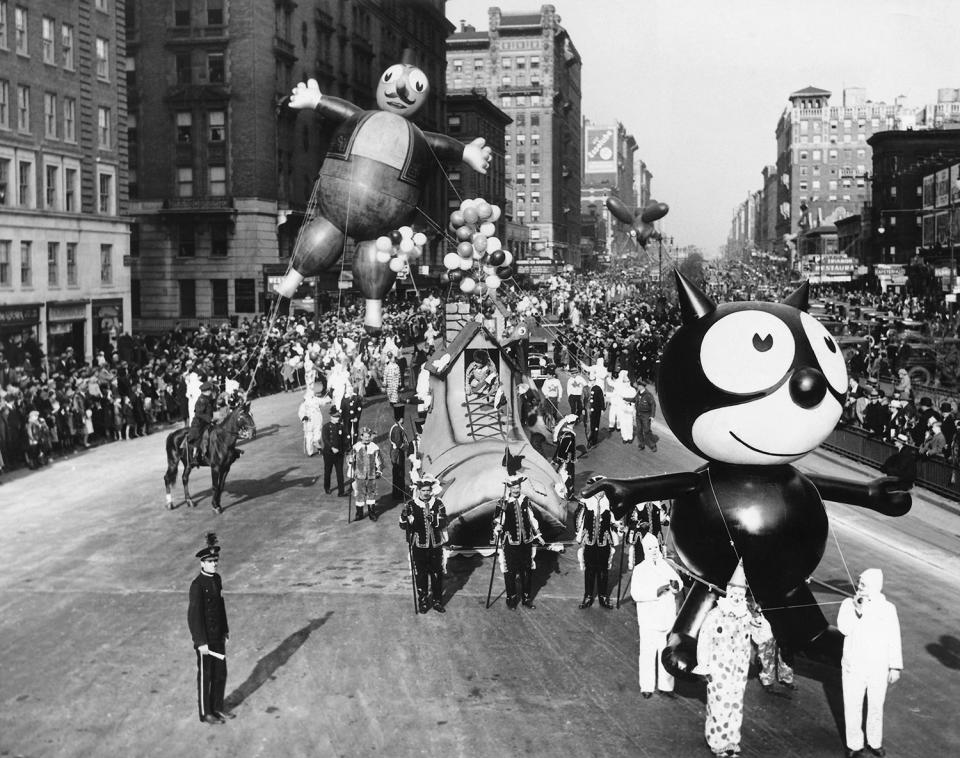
(288, 286)
(373, 316)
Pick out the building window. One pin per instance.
(20, 30)
(478, 64)
(181, 12)
(219, 240)
(184, 181)
(4, 104)
(105, 196)
(505, 81)
(815, 185)
(217, 124)
(244, 295)
(23, 108)
(817, 155)
(804, 155)
(220, 304)
(101, 5)
(535, 177)
(3, 24)
(214, 12)
(188, 298)
(53, 264)
(49, 115)
(534, 61)
(217, 181)
(453, 123)
(5, 263)
(136, 306)
(535, 100)
(506, 101)
(103, 127)
(106, 264)
(51, 187)
(25, 193)
(4, 180)
(71, 189)
(131, 71)
(26, 263)
(457, 66)
(46, 36)
(184, 127)
(183, 68)
(522, 100)
(71, 264)
(103, 59)
(186, 240)
(215, 68)
(66, 47)
(69, 119)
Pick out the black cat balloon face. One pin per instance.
(750, 383)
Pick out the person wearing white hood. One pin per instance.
(654, 587)
(872, 659)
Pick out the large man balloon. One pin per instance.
(641, 223)
(371, 179)
(751, 387)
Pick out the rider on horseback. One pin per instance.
(202, 420)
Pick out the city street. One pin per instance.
(326, 657)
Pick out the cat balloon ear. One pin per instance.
(800, 297)
(694, 304)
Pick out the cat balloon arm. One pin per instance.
(624, 493)
(885, 494)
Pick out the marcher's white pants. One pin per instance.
(855, 685)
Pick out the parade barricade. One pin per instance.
(935, 474)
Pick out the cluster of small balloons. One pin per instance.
(480, 256)
(400, 247)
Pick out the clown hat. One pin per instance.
(739, 578)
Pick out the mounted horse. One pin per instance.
(217, 449)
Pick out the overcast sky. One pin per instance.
(701, 83)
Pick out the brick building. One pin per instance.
(63, 236)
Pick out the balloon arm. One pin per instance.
(477, 155)
(336, 109)
(885, 494)
(447, 149)
(623, 493)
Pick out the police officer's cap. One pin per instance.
(211, 550)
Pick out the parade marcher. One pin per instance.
(350, 409)
(723, 656)
(332, 449)
(773, 668)
(391, 379)
(552, 391)
(622, 411)
(310, 413)
(872, 659)
(646, 410)
(365, 466)
(514, 518)
(424, 517)
(399, 445)
(202, 419)
(207, 620)
(597, 403)
(654, 587)
(565, 455)
(643, 519)
(597, 533)
(575, 387)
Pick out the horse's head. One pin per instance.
(246, 426)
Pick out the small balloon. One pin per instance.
(497, 258)
(383, 256)
(465, 232)
(470, 216)
(456, 219)
(492, 281)
(495, 213)
(465, 250)
(479, 242)
(466, 264)
(487, 229)
(468, 284)
(451, 261)
(455, 276)
(406, 232)
(466, 203)
(406, 244)
(384, 244)
(444, 276)
(484, 210)
(420, 239)
(504, 272)
(395, 237)
(493, 243)
(397, 265)
(416, 252)
(507, 257)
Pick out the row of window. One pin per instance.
(55, 261)
(506, 62)
(832, 155)
(215, 68)
(212, 11)
(244, 297)
(59, 115)
(829, 199)
(59, 183)
(833, 139)
(834, 124)
(832, 184)
(521, 101)
(48, 41)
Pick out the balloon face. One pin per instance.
(402, 89)
(751, 383)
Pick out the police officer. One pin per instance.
(203, 412)
(424, 517)
(514, 518)
(332, 436)
(207, 619)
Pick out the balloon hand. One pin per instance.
(306, 95)
(477, 155)
(888, 496)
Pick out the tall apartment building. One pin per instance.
(221, 169)
(63, 238)
(531, 69)
(823, 157)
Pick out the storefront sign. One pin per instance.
(20, 314)
(66, 312)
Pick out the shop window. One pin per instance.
(188, 298)
(219, 296)
(244, 295)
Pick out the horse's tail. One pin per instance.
(174, 451)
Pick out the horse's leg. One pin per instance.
(217, 481)
(187, 468)
(169, 478)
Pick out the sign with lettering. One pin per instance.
(20, 314)
(66, 312)
(600, 150)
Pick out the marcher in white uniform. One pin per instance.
(654, 588)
